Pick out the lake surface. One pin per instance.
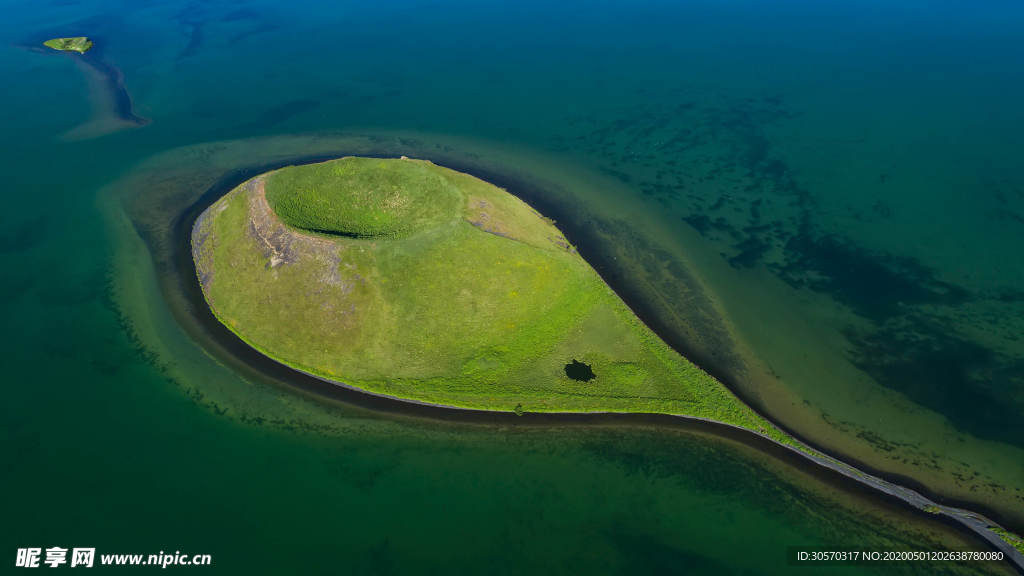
(820, 204)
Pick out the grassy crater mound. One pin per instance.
(428, 284)
(360, 198)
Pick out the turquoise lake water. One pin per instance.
(822, 204)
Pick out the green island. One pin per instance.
(406, 279)
(79, 44)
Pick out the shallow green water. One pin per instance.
(794, 192)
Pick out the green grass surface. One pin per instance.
(1012, 539)
(79, 44)
(438, 287)
(375, 201)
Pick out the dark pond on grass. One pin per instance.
(579, 371)
(820, 203)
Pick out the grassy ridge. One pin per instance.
(79, 44)
(474, 300)
(373, 202)
(1012, 539)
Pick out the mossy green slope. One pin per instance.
(79, 44)
(372, 203)
(404, 278)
